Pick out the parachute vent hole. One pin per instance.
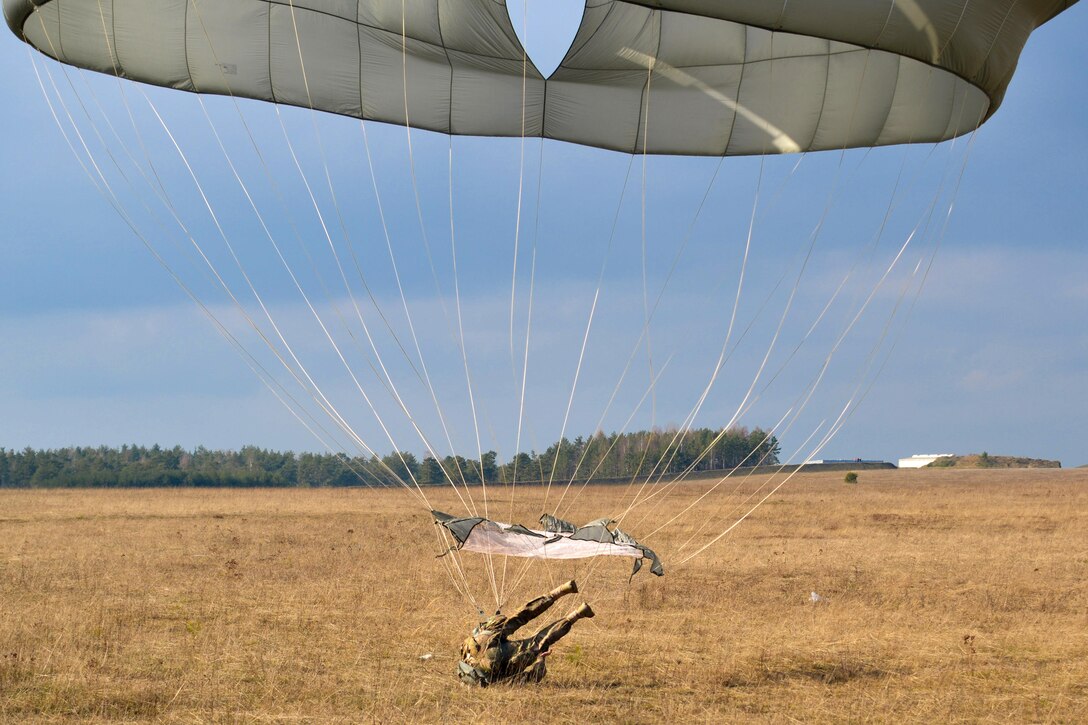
(546, 29)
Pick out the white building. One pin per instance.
(922, 459)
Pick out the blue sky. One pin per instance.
(101, 347)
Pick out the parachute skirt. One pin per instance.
(557, 540)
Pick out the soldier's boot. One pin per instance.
(583, 612)
(563, 589)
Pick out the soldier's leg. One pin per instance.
(535, 608)
(524, 653)
(555, 631)
(534, 672)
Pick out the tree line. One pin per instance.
(601, 456)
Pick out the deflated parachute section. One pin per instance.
(558, 540)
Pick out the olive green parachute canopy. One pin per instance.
(699, 77)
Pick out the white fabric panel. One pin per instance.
(490, 537)
(687, 40)
(428, 73)
(854, 74)
(159, 56)
(322, 75)
(685, 122)
(728, 75)
(420, 21)
(495, 83)
(922, 104)
(227, 47)
(596, 108)
(483, 29)
(84, 26)
(779, 106)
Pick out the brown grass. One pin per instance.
(950, 596)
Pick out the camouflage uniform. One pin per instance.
(489, 655)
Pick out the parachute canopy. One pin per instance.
(558, 540)
(698, 77)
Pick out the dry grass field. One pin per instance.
(950, 596)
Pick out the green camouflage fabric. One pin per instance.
(489, 655)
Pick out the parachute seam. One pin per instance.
(449, 62)
(1000, 30)
(359, 23)
(740, 86)
(271, 85)
(823, 101)
(644, 100)
(891, 102)
(184, 45)
(955, 29)
(359, 51)
(115, 56)
(60, 28)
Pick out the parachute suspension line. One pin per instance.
(106, 190)
(683, 475)
(455, 567)
(650, 62)
(275, 327)
(759, 503)
(638, 343)
(391, 386)
(852, 402)
(925, 274)
(278, 250)
(259, 370)
(283, 205)
(332, 194)
(525, 353)
(263, 306)
(423, 230)
(722, 356)
(921, 285)
(521, 403)
(634, 411)
(529, 316)
(743, 406)
(370, 293)
(940, 236)
(847, 410)
(588, 329)
(470, 504)
(332, 247)
(637, 408)
(329, 409)
(468, 373)
(514, 278)
(514, 265)
(600, 281)
(589, 324)
(419, 211)
(521, 185)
